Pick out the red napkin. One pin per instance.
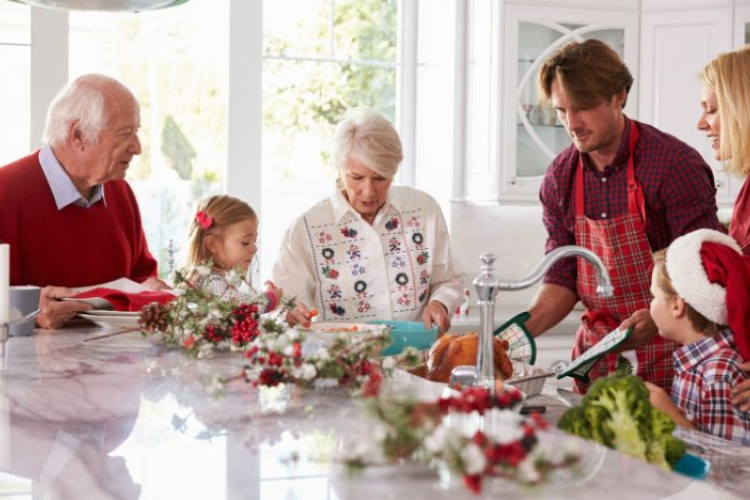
(123, 301)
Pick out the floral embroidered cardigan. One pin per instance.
(332, 259)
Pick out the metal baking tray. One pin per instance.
(528, 379)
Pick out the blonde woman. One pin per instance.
(371, 250)
(725, 99)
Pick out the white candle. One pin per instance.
(4, 282)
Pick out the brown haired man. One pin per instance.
(623, 189)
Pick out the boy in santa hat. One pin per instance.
(700, 284)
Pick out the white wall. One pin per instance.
(515, 234)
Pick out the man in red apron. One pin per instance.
(623, 189)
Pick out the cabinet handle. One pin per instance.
(512, 181)
(719, 183)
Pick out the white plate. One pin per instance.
(116, 314)
(328, 331)
(97, 302)
(113, 322)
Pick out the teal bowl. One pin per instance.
(693, 466)
(407, 334)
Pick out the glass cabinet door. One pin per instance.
(532, 134)
(540, 136)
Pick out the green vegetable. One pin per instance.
(616, 413)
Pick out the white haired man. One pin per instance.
(69, 216)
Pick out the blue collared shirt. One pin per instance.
(63, 189)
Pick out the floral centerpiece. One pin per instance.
(422, 431)
(201, 323)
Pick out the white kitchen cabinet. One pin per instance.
(741, 23)
(675, 46)
(531, 135)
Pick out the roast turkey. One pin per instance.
(452, 350)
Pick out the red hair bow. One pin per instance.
(204, 220)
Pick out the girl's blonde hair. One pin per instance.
(664, 282)
(221, 211)
(727, 76)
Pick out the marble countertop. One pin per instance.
(122, 418)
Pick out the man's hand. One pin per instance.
(155, 284)
(436, 314)
(55, 312)
(644, 330)
(741, 393)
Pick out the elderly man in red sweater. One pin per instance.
(68, 214)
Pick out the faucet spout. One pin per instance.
(604, 288)
(487, 287)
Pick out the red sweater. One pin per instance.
(74, 246)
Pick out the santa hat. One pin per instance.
(710, 273)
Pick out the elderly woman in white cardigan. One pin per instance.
(371, 251)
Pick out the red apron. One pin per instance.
(622, 245)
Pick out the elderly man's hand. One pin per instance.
(55, 312)
(436, 314)
(644, 330)
(741, 393)
(155, 284)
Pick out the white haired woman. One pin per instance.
(371, 251)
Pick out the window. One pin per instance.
(320, 58)
(15, 86)
(177, 65)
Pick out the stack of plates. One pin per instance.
(112, 319)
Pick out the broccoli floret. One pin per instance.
(575, 422)
(619, 396)
(674, 448)
(616, 412)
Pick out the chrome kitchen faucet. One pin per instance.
(487, 286)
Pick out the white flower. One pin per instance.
(527, 470)
(203, 270)
(504, 426)
(288, 350)
(438, 439)
(322, 354)
(308, 371)
(383, 432)
(233, 278)
(293, 334)
(389, 363)
(473, 459)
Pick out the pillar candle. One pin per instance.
(4, 282)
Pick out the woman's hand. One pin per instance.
(300, 315)
(644, 330)
(741, 393)
(55, 312)
(435, 313)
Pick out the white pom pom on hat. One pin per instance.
(689, 277)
